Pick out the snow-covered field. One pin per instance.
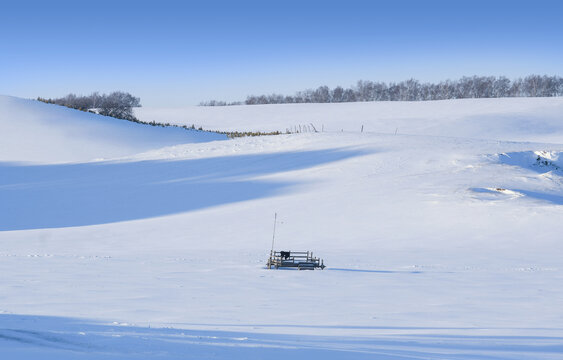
(439, 224)
(514, 119)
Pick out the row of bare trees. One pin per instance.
(117, 104)
(413, 90)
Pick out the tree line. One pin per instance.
(120, 105)
(117, 104)
(413, 90)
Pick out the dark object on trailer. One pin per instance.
(302, 260)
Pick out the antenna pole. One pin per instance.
(274, 235)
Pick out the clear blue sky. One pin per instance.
(175, 53)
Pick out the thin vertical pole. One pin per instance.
(274, 234)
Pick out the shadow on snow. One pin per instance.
(63, 195)
(45, 337)
(377, 271)
(542, 196)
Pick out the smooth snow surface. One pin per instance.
(437, 247)
(519, 119)
(34, 131)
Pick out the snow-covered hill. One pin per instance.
(440, 244)
(34, 131)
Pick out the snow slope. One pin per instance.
(438, 247)
(34, 131)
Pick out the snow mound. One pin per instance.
(541, 161)
(530, 175)
(39, 132)
(491, 193)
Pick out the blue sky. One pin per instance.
(177, 53)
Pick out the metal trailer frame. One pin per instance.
(302, 260)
